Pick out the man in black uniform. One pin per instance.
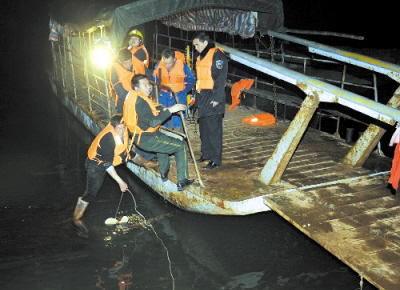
(211, 74)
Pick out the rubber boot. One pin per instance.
(80, 208)
(78, 213)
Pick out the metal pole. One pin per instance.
(379, 149)
(107, 94)
(69, 40)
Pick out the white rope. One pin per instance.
(162, 243)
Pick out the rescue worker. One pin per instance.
(108, 150)
(172, 71)
(211, 74)
(143, 118)
(121, 77)
(140, 56)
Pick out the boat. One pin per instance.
(237, 188)
(329, 116)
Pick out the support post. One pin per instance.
(277, 163)
(362, 149)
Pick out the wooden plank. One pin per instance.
(357, 221)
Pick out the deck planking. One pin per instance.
(348, 211)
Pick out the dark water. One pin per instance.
(43, 149)
(42, 153)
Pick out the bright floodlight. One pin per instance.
(101, 57)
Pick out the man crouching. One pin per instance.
(143, 119)
(108, 149)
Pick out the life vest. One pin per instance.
(136, 61)
(124, 78)
(120, 148)
(395, 171)
(263, 119)
(203, 71)
(237, 88)
(130, 116)
(175, 78)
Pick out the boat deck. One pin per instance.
(246, 149)
(350, 212)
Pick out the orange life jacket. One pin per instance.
(130, 116)
(119, 147)
(124, 77)
(203, 71)
(175, 78)
(136, 61)
(263, 119)
(395, 171)
(237, 88)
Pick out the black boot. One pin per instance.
(184, 183)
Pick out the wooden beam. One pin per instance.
(362, 149)
(277, 163)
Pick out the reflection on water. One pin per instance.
(42, 249)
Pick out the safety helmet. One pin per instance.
(136, 32)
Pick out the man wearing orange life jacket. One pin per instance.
(172, 71)
(108, 149)
(211, 74)
(140, 56)
(143, 119)
(121, 77)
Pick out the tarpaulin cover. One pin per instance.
(233, 22)
(121, 15)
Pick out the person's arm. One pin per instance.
(141, 55)
(113, 173)
(106, 154)
(189, 79)
(119, 89)
(219, 72)
(147, 119)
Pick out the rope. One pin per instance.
(162, 243)
(119, 205)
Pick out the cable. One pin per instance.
(162, 243)
(122, 195)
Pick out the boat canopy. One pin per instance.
(236, 17)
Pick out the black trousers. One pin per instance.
(94, 179)
(211, 137)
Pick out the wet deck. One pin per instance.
(247, 149)
(350, 212)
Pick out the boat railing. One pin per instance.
(264, 87)
(316, 91)
(74, 68)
